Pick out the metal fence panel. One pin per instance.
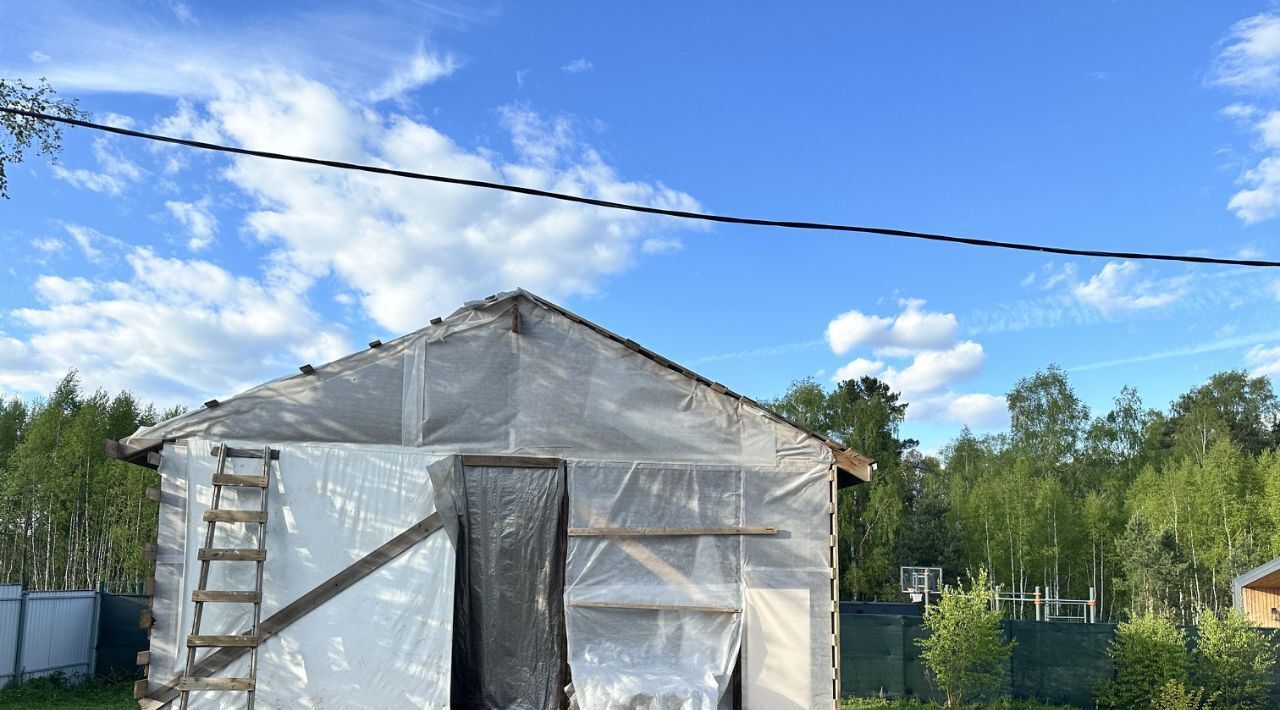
(10, 609)
(58, 632)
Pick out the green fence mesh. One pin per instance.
(1052, 662)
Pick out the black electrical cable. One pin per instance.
(681, 214)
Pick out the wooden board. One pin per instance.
(236, 640)
(669, 532)
(215, 683)
(220, 597)
(510, 461)
(231, 479)
(231, 554)
(144, 658)
(655, 607)
(303, 605)
(234, 453)
(235, 516)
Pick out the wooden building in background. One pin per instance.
(1257, 594)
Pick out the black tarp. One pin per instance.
(509, 646)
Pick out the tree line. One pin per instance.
(70, 518)
(1156, 509)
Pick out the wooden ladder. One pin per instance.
(201, 596)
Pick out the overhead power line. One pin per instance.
(645, 209)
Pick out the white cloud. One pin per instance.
(661, 245)
(423, 68)
(938, 362)
(49, 245)
(38, 57)
(1249, 64)
(171, 331)
(1250, 61)
(198, 220)
(1263, 361)
(1119, 287)
(577, 66)
(977, 411)
(912, 329)
(934, 370)
(116, 173)
(858, 368)
(55, 289)
(412, 250)
(90, 242)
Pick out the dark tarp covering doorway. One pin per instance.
(508, 643)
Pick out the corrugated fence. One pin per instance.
(77, 633)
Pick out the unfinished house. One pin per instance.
(510, 508)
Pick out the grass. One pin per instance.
(1002, 704)
(55, 692)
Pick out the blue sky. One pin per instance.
(1124, 125)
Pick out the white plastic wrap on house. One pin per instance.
(647, 658)
(383, 642)
(788, 590)
(470, 384)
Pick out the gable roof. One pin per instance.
(853, 467)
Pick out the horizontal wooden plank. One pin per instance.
(153, 494)
(145, 619)
(153, 459)
(231, 554)
(235, 516)
(235, 453)
(144, 658)
(655, 607)
(231, 479)
(216, 596)
(149, 551)
(669, 532)
(149, 588)
(510, 461)
(237, 640)
(214, 683)
(139, 689)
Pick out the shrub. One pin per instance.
(1233, 660)
(1148, 653)
(965, 650)
(1176, 696)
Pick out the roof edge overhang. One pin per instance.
(147, 455)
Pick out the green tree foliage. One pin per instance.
(866, 415)
(1176, 696)
(1148, 652)
(69, 517)
(1233, 660)
(966, 649)
(23, 133)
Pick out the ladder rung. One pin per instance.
(194, 641)
(196, 683)
(234, 453)
(231, 554)
(232, 479)
(235, 516)
(220, 597)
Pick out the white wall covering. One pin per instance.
(637, 658)
(382, 643)
(554, 388)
